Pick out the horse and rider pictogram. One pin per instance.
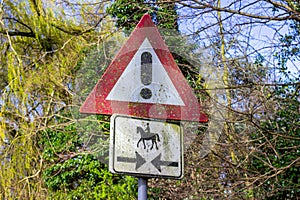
(147, 135)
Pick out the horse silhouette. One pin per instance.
(147, 136)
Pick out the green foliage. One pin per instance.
(279, 139)
(128, 13)
(72, 172)
(278, 144)
(166, 16)
(36, 60)
(289, 51)
(42, 44)
(76, 154)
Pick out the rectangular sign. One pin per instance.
(145, 147)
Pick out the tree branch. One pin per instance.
(18, 33)
(288, 15)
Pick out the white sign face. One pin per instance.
(145, 80)
(143, 147)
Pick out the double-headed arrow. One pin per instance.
(139, 160)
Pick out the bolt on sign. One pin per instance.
(142, 88)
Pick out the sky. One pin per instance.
(255, 39)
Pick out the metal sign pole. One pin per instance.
(142, 188)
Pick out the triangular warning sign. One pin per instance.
(129, 86)
(144, 81)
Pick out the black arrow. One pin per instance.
(157, 162)
(139, 160)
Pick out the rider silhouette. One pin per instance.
(147, 129)
(147, 135)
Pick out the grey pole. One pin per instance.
(142, 189)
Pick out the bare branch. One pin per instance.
(288, 15)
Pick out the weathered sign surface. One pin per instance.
(143, 147)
